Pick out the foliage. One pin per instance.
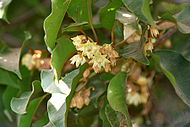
(94, 63)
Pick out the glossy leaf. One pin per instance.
(19, 105)
(176, 68)
(53, 22)
(135, 50)
(78, 10)
(116, 94)
(107, 13)
(25, 120)
(183, 19)
(10, 59)
(60, 54)
(141, 9)
(3, 9)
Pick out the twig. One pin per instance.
(112, 33)
(121, 42)
(81, 31)
(90, 21)
(166, 35)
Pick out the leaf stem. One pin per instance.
(166, 35)
(90, 21)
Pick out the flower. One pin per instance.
(110, 52)
(90, 49)
(78, 59)
(154, 32)
(148, 46)
(98, 62)
(134, 98)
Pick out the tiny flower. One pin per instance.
(78, 59)
(134, 98)
(142, 81)
(98, 62)
(90, 49)
(154, 32)
(28, 61)
(148, 46)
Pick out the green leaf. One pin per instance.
(41, 122)
(10, 60)
(8, 94)
(115, 118)
(183, 19)
(19, 105)
(107, 14)
(53, 22)
(3, 9)
(176, 69)
(73, 86)
(141, 9)
(25, 120)
(116, 95)
(60, 55)
(78, 10)
(8, 78)
(135, 50)
(103, 117)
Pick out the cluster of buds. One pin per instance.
(81, 98)
(32, 60)
(137, 87)
(96, 55)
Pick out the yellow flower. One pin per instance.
(98, 62)
(78, 59)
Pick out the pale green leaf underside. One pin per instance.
(3, 9)
(19, 105)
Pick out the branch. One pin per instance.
(166, 35)
(90, 21)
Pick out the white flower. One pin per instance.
(78, 59)
(134, 98)
(90, 49)
(98, 62)
(76, 40)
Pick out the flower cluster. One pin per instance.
(137, 86)
(96, 55)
